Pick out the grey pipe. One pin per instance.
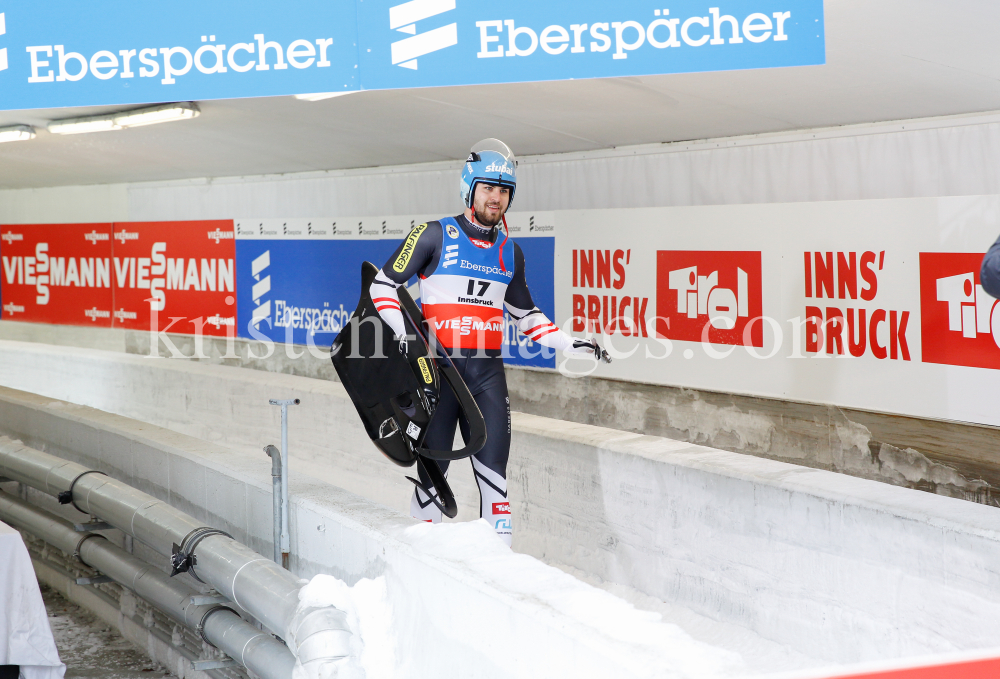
(275, 456)
(256, 584)
(222, 628)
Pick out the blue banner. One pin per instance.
(99, 53)
(428, 43)
(64, 54)
(302, 291)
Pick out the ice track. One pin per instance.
(706, 563)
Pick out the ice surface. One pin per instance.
(644, 642)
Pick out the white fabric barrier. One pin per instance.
(948, 156)
(835, 567)
(25, 636)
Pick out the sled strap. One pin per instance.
(447, 369)
(442, 497)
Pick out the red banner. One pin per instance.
(57, 273)
(972, 669)
(714, 296)
(959, 322)
(176, 276)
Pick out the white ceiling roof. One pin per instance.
(888, 60)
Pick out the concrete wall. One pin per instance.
(836, 567)
(948, 458)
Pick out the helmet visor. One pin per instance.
(496, 146)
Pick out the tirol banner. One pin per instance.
(56, 273)
(63, 54)
(876, 305)
(175, 277)
(299, 280)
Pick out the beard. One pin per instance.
(486, 220)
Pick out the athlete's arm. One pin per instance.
(416, 253)
(989, 275)
(534, 324)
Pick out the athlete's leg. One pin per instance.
(440, 436)
(490, 464)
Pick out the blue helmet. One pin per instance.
(490, 162)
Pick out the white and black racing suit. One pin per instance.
(467, 279)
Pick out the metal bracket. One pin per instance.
(92, 525)
(66, 497)
(220, 664)
(96, 580)
(182, 559)
(205, 599)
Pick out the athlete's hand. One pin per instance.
(592, 345)
(403, 347)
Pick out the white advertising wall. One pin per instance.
(865, 304)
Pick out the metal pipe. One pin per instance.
(221, 627)
(285, 539)
(256, 584)
(276, 465)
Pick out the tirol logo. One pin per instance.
(714, 296)
(404, 18)
(501, 508)
(959, 322)
(3, 50)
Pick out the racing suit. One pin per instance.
(467, 279)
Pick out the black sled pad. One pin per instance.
(396, 393)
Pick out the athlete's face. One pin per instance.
(490, 203)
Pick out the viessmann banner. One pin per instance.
(161, 276)
(72, 54)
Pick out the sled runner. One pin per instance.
(396, 388)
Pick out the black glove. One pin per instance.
(599, 353)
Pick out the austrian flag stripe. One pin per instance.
(541, 331)
(382, 303)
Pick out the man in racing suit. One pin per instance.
(468, 276)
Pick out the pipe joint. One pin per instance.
(275, 455)
(210, 611)
(79, 545)
(183, 559)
